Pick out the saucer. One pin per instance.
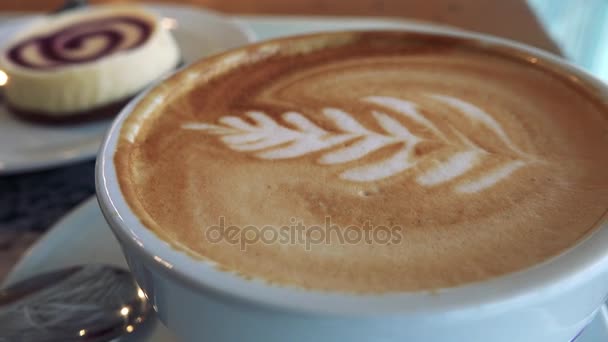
(83, 237)
(28, 146)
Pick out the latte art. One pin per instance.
(470, 161)
(268, 139)
(81, 42)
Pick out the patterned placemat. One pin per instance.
(32, 202)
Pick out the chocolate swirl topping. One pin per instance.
(81, 42)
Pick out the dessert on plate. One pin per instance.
(86, 63)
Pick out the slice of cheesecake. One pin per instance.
(85, 63)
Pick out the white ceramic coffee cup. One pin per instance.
(552, 301)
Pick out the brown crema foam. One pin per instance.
(475, 160)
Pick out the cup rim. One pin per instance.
(577, 264)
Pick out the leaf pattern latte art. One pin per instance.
(267, 138)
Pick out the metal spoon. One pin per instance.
(90, 303)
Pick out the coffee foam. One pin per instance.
(483, 162)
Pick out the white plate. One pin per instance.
(81, 237)
(25, 146)
(266, 27)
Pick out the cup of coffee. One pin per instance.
(366, 186)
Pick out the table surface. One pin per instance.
(30, 203)
(511, 19)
